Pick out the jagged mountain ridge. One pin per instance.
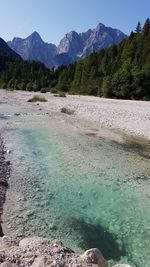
(34, 48)
(72, 47)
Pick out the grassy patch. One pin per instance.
(37, 98)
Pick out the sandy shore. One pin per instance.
(92, 114)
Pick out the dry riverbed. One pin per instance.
(95, 116)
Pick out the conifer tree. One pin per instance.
(138, 28)
(146, 27)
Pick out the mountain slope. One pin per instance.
(72, 47)
(4, 48)
(15, 73)
(7, 54)
(83, 44)
(34, 48)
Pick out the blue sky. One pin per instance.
(53, 18)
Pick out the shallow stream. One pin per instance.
(84, 190)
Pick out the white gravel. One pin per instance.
(131, 117)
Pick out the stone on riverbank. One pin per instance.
(43, 252)
(94, 256)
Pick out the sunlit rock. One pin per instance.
(94, 256)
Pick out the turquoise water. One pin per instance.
(85, 191)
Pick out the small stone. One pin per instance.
(52, 226)
(17, 114)
(39, 262)
(122, 265)
(29, 213)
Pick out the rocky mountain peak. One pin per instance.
(34, 38)
(100, 27)
(71, 35)
(35, 34)
(71, 44)
(72, 47)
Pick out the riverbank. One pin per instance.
(89, 113)
(4, 177)
(42, 252)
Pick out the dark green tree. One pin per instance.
(138, 27)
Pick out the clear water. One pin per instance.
(85, 191)
(4, 117)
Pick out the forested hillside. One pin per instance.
(121, 71)
(18, 74)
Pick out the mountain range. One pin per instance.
(72, 47)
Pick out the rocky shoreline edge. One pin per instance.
(4, 177)
(42, 252)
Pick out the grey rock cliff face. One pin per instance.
(100, 38)
(34, 48)
(71, 48)
(71, 44)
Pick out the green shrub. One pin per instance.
(62, 94)
(21, 86)
(72, 93)
(10, 84)
(4, 85)
(29, 87)
(43, 90)
(53, 91)
(36, 87)
(37, 98)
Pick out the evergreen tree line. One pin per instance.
(22, 75)
(121, 71)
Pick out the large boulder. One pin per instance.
(94, 256)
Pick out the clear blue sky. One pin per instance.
(53, 18)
